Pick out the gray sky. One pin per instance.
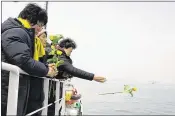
(120, 40)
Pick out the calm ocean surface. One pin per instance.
(150, 99)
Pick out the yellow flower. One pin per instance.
(53, 47)
(59, 52)
(51, 37)
(134, 89)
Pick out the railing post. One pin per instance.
(13, 93)
(57, 106)
(46, 90)
(63, 99)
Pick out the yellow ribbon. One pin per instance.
(39, 49)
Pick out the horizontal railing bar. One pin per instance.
(13, 68)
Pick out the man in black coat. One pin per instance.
(66, 46)
(17, 41)
(67, 70)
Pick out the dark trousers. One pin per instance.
(52, 99)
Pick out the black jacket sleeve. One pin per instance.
(69, 68)
(18, 53)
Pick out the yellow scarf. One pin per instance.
(39, 49)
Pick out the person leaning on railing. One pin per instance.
(19, 48)
(49, 57)
(67, 70)
(36, 94)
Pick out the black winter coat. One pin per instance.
(18, 48)
(66, 70)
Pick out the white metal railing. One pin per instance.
(13, 92)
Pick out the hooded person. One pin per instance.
(18, 44)
(42, 35)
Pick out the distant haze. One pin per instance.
(124, 40)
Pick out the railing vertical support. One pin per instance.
(46, 90)
(63, 99)
(13, 93)
(57, 97)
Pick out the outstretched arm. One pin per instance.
(69, 68)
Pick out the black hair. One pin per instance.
(45, 33)
(67, 43)
(33, 13)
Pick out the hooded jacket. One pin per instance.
(18, 49)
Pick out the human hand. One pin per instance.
(99, 79)
(52, 70)
(53, 65)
